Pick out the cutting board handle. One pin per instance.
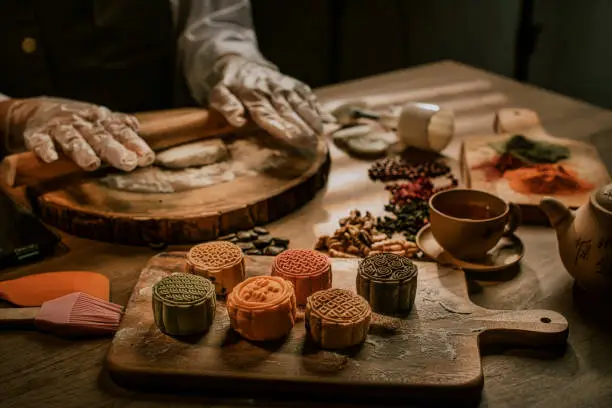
(533, 328)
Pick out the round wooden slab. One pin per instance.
(89, 209)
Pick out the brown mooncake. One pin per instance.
(183, 304)
(308, 270)
(262, 308)
(388, 282)
(221, 262)
(337, 318)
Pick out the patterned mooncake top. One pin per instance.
(183, 289)
(301, 263)
(338, 306)
(214, 255)
(261, 292)
(387, 267)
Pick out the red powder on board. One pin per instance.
(496, 167)
(546, 179)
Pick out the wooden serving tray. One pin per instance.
(433, 354)
(584, 160)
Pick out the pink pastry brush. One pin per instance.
(75, 314)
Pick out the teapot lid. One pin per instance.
(603, 197)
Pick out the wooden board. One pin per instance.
(432, 354)
(89, 209)
(584, 160)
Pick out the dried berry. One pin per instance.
(397, 168)
(408, 203)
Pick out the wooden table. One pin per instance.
(41, 370)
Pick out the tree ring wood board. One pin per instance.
(90, 209)
(584, 160)
(431, 354)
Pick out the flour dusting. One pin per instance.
(245, 158)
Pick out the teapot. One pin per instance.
(585, 239)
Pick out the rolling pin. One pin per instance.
(160, 129)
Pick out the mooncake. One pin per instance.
(308, 271)
(183, 304)
(337, 318)
(220, 261)
(262, 308)
(388, 282)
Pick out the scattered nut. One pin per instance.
(357, 236)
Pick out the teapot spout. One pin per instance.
(558, 214)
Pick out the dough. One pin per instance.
(201, 153)
(367, 146)
(350, 132)
(157, 180)
(246, 158)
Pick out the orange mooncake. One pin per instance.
(308, 270)
(262, 308)
(221, 262)
(337, 318)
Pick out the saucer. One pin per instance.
(508, 251)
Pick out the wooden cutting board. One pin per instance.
(584, 160)
(432, 354)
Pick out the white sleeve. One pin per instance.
(215, 28)
(3, 97)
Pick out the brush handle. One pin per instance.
(18, 317)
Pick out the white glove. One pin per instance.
(88, 134)
(282, 106)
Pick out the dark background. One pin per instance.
(326, 41)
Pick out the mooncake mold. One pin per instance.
(262, 308)
(388, 282)
(308, 270)
(220, 261)
(183, 304)
(337, 318)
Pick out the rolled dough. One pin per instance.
(201, 153)
(247, 159)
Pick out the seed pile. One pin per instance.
(398, 168)
(406, 219)
(359, 237)
(257, 241)
(413, 187)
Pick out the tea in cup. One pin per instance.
(468, 223)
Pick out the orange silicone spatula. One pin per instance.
(34, 290)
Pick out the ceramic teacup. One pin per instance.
(468, 223)
(425, 126)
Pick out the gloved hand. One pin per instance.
(88, 134)
(283, 106)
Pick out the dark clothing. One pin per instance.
(116, 53)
